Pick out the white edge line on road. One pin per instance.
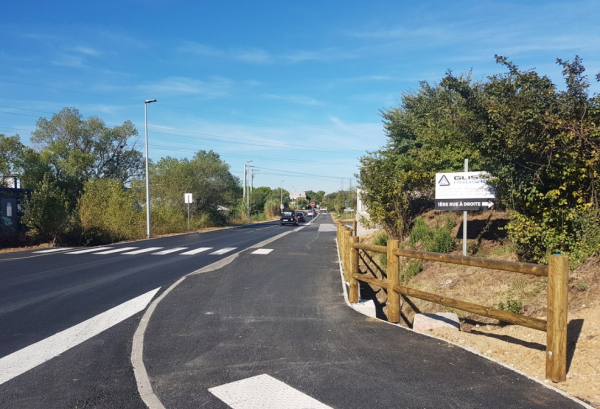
(137, 349)
(36, 354)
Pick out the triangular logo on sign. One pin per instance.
(444, 181)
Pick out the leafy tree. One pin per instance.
(76, 150)
(10, 155)
(206, 176)
(541, 145)
(46, 212)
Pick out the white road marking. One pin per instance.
(222, 251)
(262, 251)
(327, 227)
(53, 250)
(29, 357)
(119, 250)
(146, 250)
(196, 251)
(89, 250)
(167, 251)
(264, 391)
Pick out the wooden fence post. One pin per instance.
(393, 302)
(347, 239)
(556, 341)
(353, 293)
(354, 226)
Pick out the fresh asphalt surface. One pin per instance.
(42, 294)
(283, 314)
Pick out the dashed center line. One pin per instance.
(146, 250)
(222, 251)
(167, 251)
(119, 250)
(89, 250)
(196, 251)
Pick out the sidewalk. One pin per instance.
(283, 315)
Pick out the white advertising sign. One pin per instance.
(463, 185)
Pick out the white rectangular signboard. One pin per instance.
(463, 185)
(463, 191)
(188, 197)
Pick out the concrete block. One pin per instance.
(426, 322)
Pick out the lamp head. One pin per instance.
(149, 101)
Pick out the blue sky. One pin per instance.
(296, 87)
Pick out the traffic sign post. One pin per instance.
(187, 197)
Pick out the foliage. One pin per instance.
(107, 213)
(541, 145)
(513, 304)
(335, 202)
(46, 212)
(75, 150)
(438, 240)
(272, 208)
(10, 155)
(412, 268)
(206, 176)
(381, 239)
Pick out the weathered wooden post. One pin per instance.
(353, 292)
(347, 241)
(556, 341)
(354, 226)
(393, 302)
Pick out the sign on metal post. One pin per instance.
(187, 197)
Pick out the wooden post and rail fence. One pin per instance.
(555, 325)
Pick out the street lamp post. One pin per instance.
(146, 102)
(281, 194)
(246, 166)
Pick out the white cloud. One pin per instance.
(218, 86)
(296, 99)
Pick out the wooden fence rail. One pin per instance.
(557, 270)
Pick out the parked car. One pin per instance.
(300, 216)
(288, 217)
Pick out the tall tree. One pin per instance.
(76, 149)
(11, 150)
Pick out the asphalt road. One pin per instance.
(282, 316)
(44, 293)
(277, 316)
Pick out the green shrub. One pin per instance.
(575, 233)
(413, 268)
(438, 240)
(513, 305)
(381, 239)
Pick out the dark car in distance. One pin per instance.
(300, 216)
(288, 217)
